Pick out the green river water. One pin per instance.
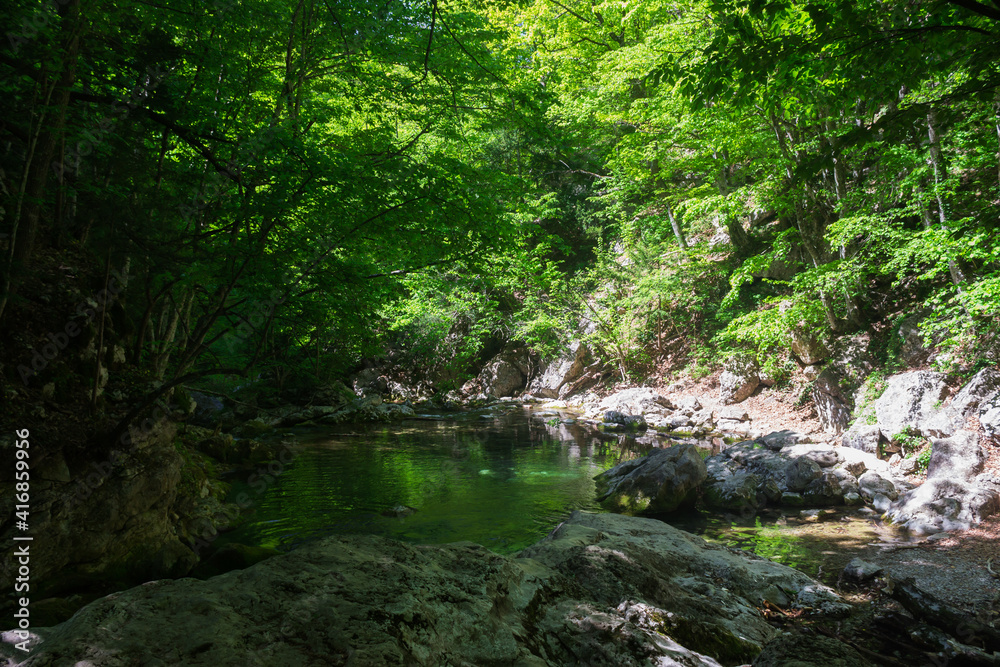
(503, 478)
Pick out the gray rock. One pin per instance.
(687, 405)
(809, 650)
(913, 350)
(826, 489)
(847, 483)
(989, 416)
(863, 437)
(850, 363)
(601, 589)
(679, 421)
(861, 570)
(790, 499)
(959, 457)
(740, 378)
(778, 439)
(822, 455)
(733, 413)
(368, 382)
(857, 462)
(800, 473)
(505, 374)
(637, 401)
(833, 407)
(628, 421)
(908, 466)
(808, 348)
(983, 386)
(729, 486)
(564, 369)
(661, 481)
(703, 418)
(871, 484)
(881, 502)
(909, 400)
(732, 426)
(932, 507)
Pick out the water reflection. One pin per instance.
(502, 479)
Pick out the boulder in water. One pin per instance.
(661, 481)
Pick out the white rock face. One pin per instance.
(740, 378)
(637, 401)
(978, 391)
(989, 416)
(561, 371)
(909, 400)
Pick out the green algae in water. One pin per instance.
(818, 542)
(504, 484)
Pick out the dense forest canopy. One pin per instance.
(282, 189)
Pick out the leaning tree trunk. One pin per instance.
(940, 175)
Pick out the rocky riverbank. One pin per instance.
(601, 589)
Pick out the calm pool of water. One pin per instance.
(502, 479)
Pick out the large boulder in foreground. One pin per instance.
(661, 481)
(600, 590)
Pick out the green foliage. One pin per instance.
(870, 391)
(910, 443)
(923, 457)
(341, 180)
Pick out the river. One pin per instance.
(502, 477)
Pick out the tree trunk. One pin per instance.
(675, 225)
(940, 175)
(41, 152)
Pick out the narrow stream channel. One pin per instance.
(502, 477)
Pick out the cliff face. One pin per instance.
(111, 520)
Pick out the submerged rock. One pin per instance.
(600, 590)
